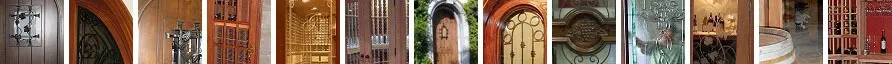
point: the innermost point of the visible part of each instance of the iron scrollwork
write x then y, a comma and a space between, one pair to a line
186, 47
522, 35
24, 20
95, 44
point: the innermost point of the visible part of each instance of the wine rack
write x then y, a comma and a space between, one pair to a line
843, 27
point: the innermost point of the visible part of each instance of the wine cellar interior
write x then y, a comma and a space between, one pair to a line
310, 32
31, 32
857, 31
721, 33
790, 32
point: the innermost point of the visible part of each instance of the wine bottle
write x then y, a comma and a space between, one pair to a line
867, 46
883, 42
838, 27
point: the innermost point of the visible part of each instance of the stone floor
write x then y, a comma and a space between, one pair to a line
808, 42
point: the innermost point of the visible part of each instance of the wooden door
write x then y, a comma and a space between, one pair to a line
446, 39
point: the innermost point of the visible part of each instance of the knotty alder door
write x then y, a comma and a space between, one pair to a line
234, 31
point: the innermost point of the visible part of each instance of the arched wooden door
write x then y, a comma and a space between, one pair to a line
101, 32
446, 38
516, 34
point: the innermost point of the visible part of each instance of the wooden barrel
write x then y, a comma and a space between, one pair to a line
776, 46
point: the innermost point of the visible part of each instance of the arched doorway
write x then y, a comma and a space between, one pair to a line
446, 35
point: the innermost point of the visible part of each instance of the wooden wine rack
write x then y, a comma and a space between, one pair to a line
843, 26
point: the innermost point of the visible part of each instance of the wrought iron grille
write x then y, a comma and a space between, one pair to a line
352, 25
226, 10
351, 33
523, 37
186, 47
95, 43
26, 23
379, 31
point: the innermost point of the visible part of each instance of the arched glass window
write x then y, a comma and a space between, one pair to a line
523, 36
95, 43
